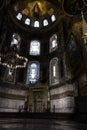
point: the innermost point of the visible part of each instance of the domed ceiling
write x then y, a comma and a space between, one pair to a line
35, 13
34, 8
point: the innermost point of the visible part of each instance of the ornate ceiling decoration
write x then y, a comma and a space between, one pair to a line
35, 14
74, 7
31, 8
34, 8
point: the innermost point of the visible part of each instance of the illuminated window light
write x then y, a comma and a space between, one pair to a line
36, 24
35, 48
54, 71
10, 71
53, 18
32, 73
27, 21
19, 16
45, 22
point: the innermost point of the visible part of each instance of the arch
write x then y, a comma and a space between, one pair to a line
45, 22
33, 72
53, 43
16, 40
53, 18
73, 50
9, 75
54, 71
27, 21
36, 24
74, 54
19, 16
34, 47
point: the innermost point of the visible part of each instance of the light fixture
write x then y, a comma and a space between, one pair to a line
10, 55
13, 60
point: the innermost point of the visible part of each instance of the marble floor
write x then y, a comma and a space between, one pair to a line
40, 124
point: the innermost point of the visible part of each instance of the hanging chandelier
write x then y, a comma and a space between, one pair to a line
11, 58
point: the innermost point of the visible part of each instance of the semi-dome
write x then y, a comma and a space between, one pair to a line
34, 13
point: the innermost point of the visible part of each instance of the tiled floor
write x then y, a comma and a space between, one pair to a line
40, 124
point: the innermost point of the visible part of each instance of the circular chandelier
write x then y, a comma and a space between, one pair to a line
13, 60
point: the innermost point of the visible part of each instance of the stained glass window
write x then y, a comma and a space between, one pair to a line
35, 48
27, 21
15, 42
36, 24
32, 72
53, 18
9, 75
10, 72
45, 22
53, 43
54, 71
19, 16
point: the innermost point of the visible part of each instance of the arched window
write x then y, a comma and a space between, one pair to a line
54, 71
53, 18
15, 42
36, 24
10, 71
35, 47
45, 22
73, 50
33, 72
53, 43
27, 21
9, 75
72, 46
74, 53
19, 16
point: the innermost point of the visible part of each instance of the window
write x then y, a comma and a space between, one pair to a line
45, 22
53, 43
54, 71
10, 72
32, 72
36, 24
35, 48
74, 53
53, 18
19, 16
73, 47
9, 75
15, 42
27, 21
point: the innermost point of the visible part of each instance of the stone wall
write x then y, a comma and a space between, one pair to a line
62, 99
12, 100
